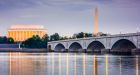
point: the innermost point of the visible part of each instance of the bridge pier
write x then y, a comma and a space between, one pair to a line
84, 50
135, 51
105, 51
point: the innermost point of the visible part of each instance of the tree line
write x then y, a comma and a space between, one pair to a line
56, 36
37, 42
6, 40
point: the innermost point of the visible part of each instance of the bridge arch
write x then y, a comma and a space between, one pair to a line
76, 47
123, 45
59, 48
95, 46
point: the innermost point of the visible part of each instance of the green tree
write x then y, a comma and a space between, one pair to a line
10, 40
1, 40
33, 42
64, 38
82, 35
55, 37
88, 35
5, 40
45, 40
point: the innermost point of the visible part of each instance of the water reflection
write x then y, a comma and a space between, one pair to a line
20, 65
95, 65
75, 64
106, 62
52, 71
137, 65
120, 66
59, 63
84, 64
67, 64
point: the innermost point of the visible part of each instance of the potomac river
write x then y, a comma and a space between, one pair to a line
18, 63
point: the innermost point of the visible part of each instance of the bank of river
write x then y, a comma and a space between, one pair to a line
44, 50
22, 50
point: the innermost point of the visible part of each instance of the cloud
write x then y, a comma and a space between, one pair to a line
70, 4
14, 4
11, 4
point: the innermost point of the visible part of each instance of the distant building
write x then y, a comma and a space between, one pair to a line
23, 32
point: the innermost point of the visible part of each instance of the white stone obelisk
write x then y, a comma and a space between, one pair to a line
95, 33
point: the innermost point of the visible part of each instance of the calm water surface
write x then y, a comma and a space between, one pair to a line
67, 64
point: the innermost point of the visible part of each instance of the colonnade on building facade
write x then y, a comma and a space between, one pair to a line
24, 34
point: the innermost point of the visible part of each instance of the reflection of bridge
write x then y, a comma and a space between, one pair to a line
120, 42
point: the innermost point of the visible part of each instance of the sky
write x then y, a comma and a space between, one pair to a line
67, 17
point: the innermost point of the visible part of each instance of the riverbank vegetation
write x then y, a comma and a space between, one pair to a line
41, 42
6, 40
56, 36
36, 42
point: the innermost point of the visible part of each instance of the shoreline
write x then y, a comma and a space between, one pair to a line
44, 50
22, 50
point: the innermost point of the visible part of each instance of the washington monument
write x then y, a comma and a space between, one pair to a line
96, 22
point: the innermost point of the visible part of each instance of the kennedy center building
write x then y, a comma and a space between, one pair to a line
23, 32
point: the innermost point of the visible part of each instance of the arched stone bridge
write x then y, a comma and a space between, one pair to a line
116, 43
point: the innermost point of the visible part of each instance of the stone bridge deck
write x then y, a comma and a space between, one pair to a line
119, 42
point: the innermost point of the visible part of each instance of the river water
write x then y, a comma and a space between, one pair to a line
68, 64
